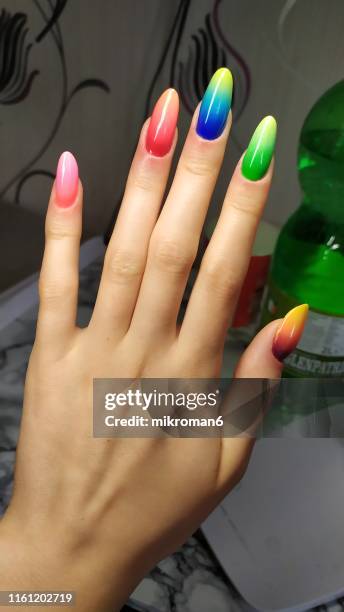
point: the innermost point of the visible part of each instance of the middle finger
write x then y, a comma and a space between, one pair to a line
174, 242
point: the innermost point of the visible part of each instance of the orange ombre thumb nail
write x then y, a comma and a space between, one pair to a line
289, 332
67, 180
162, 126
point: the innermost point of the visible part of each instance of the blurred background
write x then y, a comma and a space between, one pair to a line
84, 75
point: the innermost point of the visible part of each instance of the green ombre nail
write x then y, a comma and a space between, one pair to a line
260, 150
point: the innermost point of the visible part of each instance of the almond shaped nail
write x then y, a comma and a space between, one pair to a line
162, 126
289, 333
260, 150
216, 104
67, 180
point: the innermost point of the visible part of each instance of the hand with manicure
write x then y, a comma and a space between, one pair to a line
94, 515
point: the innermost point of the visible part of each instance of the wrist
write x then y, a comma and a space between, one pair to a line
32, 563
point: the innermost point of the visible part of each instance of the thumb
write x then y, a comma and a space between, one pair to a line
264, 357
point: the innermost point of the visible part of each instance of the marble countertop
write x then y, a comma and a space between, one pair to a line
190, 580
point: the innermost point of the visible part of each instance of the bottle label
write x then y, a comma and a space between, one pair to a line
320, 352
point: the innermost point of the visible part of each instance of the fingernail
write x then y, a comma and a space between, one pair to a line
260, 150
216, 105
67, 180
290, 332
162, 126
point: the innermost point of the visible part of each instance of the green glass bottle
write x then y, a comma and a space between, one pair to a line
308, 263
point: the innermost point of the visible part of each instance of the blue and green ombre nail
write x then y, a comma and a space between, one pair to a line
215, 105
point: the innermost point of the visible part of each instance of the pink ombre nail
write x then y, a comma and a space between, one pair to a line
67, 180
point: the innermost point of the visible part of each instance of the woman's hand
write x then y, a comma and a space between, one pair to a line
94, 515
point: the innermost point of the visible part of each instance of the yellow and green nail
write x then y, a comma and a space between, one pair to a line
260, 150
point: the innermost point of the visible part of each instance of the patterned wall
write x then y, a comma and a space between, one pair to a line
82, 75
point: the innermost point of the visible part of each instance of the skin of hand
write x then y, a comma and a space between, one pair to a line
94, 515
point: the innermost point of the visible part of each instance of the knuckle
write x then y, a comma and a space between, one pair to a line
59, 231
142, 180
51, 291
220, 279
173, 257
198, 165
122, 266
245, 203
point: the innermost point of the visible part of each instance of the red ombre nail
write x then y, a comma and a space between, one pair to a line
163, 123
67, 180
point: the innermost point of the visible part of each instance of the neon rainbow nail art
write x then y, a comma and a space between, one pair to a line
67, 180
290, 332
216, 105
260, 150
162, 126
